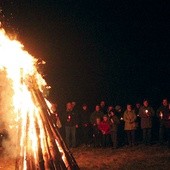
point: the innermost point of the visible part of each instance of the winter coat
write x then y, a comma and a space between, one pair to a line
105, 127
71, 118
167, 120
114, 122
164, 110
84, 117
146, 114
129, 117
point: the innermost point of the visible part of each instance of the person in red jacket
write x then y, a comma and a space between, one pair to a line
104, 127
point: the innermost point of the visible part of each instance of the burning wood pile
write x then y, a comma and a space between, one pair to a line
39, 144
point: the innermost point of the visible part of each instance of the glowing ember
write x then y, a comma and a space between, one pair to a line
40, 144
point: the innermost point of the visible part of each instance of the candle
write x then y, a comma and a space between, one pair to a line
161, 115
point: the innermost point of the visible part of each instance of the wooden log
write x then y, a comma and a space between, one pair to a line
71, 161
56, 155
52, 158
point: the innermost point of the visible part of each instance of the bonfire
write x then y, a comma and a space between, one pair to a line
38, 144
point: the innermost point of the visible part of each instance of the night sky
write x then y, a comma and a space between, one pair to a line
113, 50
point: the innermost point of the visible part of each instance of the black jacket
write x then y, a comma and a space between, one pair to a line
71, 118
84, 117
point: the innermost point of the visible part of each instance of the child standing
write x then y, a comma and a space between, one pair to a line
104, 127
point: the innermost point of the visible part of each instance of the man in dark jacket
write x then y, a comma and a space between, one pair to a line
85, 124
71, 123
96, 114
138, 134
161, 113
95, 120
146, 113
120, 129
114, 122
167, 125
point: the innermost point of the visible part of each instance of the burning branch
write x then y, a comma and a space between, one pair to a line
40, 144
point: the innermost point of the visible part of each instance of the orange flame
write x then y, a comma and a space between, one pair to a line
19, 66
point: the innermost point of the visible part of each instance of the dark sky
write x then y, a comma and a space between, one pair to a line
115, 50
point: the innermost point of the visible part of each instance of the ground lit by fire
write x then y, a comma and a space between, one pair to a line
139, 157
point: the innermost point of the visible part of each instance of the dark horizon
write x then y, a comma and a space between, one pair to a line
101, 50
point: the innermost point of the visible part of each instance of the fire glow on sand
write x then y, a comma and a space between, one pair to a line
38, 144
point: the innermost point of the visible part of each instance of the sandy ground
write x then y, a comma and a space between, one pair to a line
136, 158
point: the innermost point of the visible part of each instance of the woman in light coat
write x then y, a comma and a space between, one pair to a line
130, 125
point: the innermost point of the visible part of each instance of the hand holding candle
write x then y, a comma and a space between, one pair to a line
68, 118
161, 115
146, 111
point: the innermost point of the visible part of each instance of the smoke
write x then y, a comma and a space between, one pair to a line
8, 124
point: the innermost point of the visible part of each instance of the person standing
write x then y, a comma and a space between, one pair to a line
97, 135
103, 107
161, 113
167, 125
130, 125
114, 122
56, 117
120, 129
146, 113
95, 120
85, 124
96, 114
138, 132
104, 127
71, 123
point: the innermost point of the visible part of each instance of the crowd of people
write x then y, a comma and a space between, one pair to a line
112, 126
